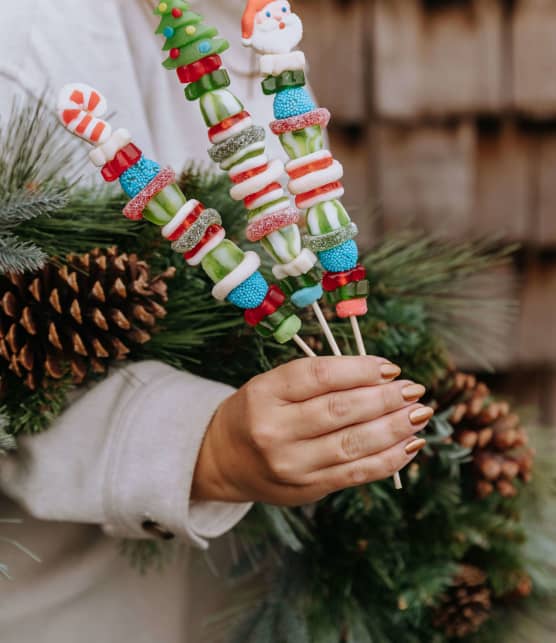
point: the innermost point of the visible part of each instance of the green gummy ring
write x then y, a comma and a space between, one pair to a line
330, 240
286, 80
193, 235
354, 290
216, 80
222, 151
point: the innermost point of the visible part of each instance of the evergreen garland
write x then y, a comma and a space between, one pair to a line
367, 564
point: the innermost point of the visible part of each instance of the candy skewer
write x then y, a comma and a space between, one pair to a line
195, 231
304, 346
273, 31
239, 149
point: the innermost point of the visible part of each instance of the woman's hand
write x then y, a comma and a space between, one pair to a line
309, 428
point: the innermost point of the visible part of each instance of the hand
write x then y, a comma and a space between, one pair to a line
309, 428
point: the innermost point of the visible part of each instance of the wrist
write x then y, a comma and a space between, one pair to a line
209, 479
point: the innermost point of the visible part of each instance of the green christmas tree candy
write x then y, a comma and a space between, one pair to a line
188, 39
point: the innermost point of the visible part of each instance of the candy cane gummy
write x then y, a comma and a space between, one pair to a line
195, 232
273, 31
239, 149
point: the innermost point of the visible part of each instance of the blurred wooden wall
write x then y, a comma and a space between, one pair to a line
444, 115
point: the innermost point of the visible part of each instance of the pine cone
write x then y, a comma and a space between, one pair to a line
491, 431
78, 317
466, 605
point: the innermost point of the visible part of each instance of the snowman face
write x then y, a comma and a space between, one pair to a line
277, 30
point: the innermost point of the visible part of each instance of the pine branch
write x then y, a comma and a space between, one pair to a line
19, 256
25, 205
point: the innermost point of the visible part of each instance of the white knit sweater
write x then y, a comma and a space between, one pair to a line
122, 456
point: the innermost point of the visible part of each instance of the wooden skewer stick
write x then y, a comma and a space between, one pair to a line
304, 347
363, 351
327, 330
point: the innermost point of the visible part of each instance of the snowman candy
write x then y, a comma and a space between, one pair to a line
238, 147
274, 31
195, 232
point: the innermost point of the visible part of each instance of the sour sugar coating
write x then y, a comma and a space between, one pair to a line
238, 147
195, 232
274, 31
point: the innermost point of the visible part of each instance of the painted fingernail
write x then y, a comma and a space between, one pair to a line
390, 372
413, 392
415, 446
421, 415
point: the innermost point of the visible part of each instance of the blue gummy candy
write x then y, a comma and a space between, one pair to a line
251, 293
341, 258
139, 176
292, 102
307, 296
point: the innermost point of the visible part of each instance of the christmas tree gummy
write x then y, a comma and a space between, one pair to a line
188, 39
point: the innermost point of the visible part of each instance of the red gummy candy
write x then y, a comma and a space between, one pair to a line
253, 197
352, 308
311, 167
227, 123
194, 72
127, 157
211, 232
274, 299
333, 280
187, 223
240, 178
260, 229
134, 209
325, 189
319, 116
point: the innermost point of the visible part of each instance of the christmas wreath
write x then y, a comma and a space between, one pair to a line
464, 552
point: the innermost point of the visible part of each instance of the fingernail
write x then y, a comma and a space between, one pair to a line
413, 392
415, 446
390, 372
421, 415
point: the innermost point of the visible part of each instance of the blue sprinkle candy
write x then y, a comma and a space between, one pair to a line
340, 259
307, 296
139, 176
204, 47
169, 32
292, 102
251, 293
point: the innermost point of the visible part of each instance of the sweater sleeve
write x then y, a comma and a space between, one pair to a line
123, 456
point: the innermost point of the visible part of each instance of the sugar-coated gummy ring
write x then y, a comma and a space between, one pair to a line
270, 223
134, 209
332, 239
320, 116
222, 151
352, 308
192, 236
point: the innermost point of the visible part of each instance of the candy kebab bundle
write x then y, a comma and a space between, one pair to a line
195, 231
238, 147
273, 31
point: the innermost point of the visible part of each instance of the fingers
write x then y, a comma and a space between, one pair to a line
307, 378
370, 469
340, 409
363, 440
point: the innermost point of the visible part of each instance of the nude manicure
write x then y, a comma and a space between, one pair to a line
421, 415
415, 446
390, 372
413, 392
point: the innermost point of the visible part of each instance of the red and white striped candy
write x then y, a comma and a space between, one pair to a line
80, 108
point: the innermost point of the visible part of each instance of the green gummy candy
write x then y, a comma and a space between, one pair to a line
222, 260
164, 206
286, 80
217, 106
183, 39
198, 50
210, 82
354, 290
292, 284
288, 329
303, 142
